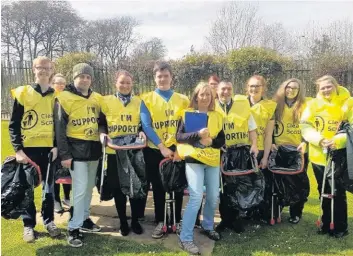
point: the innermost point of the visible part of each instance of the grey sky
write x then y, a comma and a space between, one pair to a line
182, 24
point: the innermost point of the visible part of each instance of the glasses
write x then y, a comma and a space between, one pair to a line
292, 88
43, 68
255, 86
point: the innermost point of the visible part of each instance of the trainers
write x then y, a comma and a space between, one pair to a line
211, 234
66, 202
75, 239
53, 229
28, 234
57, 207
294, 220
158, 231
89, 226
189, 247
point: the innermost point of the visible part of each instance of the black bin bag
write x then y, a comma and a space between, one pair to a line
173, 175
290, 181
17, 187
243, 185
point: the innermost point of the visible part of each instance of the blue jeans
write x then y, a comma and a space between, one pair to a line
83, 181
197, 175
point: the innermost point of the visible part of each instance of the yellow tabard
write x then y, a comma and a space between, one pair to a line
37, 127
83, 115
165, 115
208, 155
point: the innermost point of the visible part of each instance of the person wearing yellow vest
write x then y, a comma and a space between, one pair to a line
240, 128
319, 124
120, 115
59, 83
32, 136
76, 113
263, 111
291, 101
160, 112
201, 152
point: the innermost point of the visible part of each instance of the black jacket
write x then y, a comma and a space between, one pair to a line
77, 149
16, 119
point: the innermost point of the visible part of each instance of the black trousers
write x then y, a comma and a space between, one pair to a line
340, 203
297, 209
152, 159
40, 157
67, 189
119, 198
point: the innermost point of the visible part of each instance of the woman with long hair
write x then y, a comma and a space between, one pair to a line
291, 101
263, 111
201, 152
319, 124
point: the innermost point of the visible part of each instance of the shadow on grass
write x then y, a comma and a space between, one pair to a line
284, 239
95, 244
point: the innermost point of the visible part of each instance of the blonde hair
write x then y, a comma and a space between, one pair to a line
42, 59
58, 75
280, 98
202, 86
326, 78
263, 82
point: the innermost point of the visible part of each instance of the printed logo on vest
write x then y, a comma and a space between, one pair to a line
89, 132
29, 119
319, 123
278, 129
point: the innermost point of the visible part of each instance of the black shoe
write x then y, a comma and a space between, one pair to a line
158, 231
89, 226
211, 234
136, 227
198, 223
124, 228
222, 226
74, 239
340, 234
294, 220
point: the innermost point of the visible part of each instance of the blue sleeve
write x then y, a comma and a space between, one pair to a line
147, 125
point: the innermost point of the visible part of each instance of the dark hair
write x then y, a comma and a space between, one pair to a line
214, 77
161, 66
124, 72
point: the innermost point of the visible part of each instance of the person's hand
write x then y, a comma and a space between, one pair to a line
254, 150
325, 143
263, 163
204, 133
166, 152
301, 148
55, 153
206, 141
67, 163
102, 136
274, 147
142, 135
21, 157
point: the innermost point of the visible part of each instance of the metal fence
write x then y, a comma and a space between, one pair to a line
15, 74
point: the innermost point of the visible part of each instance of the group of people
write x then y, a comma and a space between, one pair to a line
72, 121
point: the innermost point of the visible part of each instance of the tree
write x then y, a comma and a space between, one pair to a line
236, 26
149, 50
275, 37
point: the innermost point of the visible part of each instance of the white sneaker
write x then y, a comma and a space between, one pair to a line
57, 207
66, 202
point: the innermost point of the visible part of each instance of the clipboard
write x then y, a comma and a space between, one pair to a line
195, 121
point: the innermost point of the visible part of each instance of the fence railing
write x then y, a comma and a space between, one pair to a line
15, 74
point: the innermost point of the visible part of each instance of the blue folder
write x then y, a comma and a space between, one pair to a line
195, 121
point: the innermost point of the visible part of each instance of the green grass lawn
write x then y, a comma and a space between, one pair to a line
281, 239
